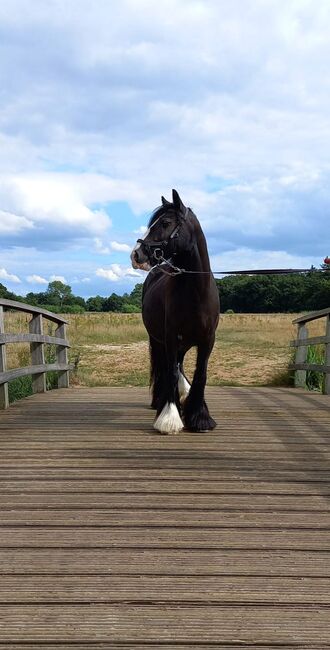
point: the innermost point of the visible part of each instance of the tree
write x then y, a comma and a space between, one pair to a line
113, 303
58, 292
136, 295
95, 303
9, 295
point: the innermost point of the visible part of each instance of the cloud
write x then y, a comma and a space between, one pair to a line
241, 259
117, 272
59, 278
12, 224
36, 279
125, 248
9, 277
100, 248
53, 210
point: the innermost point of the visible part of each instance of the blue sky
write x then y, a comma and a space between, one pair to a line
106, 106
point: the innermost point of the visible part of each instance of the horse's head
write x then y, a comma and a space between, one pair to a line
167, 235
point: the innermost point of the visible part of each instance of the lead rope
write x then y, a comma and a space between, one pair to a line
177, 271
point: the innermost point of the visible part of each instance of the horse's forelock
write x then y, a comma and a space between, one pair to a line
158, 212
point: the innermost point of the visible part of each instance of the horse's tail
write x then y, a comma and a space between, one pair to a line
157, 371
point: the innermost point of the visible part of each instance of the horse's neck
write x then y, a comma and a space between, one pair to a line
197, 260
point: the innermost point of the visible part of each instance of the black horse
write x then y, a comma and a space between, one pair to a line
180, 310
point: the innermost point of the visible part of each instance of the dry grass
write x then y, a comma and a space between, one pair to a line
250, 349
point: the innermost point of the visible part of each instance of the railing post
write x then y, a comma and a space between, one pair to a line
327, 357
62, 357
37, 354
4, 399
301, 356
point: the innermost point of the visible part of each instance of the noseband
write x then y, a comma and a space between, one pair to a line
155, 250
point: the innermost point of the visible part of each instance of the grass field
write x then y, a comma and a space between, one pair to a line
111, 349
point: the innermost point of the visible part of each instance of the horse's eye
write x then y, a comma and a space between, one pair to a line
166, 224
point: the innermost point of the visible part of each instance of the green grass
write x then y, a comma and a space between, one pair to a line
315, 380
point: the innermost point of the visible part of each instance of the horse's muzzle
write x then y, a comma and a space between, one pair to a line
139, 259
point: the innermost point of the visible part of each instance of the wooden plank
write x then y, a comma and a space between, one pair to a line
206, 502
165, 537
29, 309
4, 397
164, 589
313, 315
9, 375
37, 354
144, 624
184, 476
313, 340
301, 356
26, 484
135, 561
166, 518
32, 338
327, 357
62, 357
315, 367
154, 646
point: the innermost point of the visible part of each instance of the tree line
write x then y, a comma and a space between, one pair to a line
240, 294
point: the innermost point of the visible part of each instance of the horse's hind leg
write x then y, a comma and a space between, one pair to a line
183, 383
196, 413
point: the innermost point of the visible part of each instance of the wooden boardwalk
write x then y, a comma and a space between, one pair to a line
113, 536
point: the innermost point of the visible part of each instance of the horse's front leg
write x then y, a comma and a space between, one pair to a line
168, 418
196, 413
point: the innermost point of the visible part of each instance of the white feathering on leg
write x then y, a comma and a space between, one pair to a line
169, 420
184, 387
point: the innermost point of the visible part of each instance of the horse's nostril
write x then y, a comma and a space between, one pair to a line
136, 256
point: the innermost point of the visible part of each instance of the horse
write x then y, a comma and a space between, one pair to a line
180, 310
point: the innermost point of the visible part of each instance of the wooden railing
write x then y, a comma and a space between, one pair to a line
302, 342
37, 340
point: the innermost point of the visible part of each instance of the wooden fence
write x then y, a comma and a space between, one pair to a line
303, 341
37, 340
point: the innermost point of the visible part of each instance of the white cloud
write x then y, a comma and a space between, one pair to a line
141, 230
10, 277
100, 248
120, 247
11, 224
241, 259
36, 279
103, 249
117, 272
60, 278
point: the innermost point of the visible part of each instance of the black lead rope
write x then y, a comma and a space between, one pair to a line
177, 271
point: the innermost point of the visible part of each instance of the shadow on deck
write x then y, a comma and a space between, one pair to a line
112, 535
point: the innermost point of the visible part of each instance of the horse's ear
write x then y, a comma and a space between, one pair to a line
165, 202
179, 206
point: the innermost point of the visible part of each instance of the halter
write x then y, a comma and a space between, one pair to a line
156, 249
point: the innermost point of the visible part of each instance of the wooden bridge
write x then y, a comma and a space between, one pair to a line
113, 536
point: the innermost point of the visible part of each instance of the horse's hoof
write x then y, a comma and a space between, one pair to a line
200, 423
169, 421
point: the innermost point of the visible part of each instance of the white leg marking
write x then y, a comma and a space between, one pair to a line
169, 420
184, 387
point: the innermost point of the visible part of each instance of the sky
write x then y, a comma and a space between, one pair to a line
106, 106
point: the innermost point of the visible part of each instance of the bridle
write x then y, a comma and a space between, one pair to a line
156, 250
